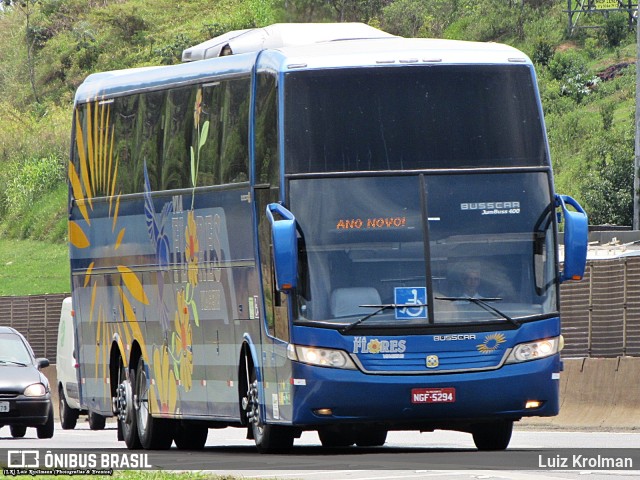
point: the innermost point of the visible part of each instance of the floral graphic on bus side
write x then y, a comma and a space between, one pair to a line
165, 393
94, 173
182, 345
156, 227
192, 248
201, 139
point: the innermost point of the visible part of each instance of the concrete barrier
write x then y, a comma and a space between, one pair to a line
595, 393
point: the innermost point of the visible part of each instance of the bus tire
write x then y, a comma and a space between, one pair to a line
190, 437
336, 437
492, 435
96, 421
268, 438
68, 415
127, 414
371, 438
154, 433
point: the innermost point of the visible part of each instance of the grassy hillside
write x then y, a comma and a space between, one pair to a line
29, 267
587, 83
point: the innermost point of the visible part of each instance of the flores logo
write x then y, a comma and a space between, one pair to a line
364, 345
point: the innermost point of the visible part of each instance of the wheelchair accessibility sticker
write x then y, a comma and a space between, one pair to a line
407, 297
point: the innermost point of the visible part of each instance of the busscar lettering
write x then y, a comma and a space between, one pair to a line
371, 223
489, 205
449, 338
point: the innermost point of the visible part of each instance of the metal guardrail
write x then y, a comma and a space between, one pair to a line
601, 313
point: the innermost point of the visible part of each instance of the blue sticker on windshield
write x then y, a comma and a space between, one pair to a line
411, 296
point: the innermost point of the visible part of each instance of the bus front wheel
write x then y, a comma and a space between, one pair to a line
492, 435
268, 438
154, 433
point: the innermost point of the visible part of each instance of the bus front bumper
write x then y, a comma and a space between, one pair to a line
323, 396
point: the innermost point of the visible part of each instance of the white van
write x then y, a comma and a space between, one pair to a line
68, 374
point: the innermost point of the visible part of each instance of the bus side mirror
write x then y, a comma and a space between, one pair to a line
285, 246
576, 235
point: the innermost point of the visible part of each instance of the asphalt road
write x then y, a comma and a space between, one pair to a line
532, 454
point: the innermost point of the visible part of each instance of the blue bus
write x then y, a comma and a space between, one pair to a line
318, 227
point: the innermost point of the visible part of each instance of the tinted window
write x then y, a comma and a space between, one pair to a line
396, 118
363, 243
116, 138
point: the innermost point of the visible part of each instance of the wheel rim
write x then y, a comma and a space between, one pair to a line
253, 410
141, 399
125, 403
61, 408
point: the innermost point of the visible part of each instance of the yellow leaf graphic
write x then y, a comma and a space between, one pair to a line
78, 195
119, 239
87, 277
77, 237
133, 284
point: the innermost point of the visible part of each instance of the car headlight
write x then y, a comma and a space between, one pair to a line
323, 357
35, 390
525, 352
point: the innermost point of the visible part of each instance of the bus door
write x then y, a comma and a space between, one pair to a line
276, 369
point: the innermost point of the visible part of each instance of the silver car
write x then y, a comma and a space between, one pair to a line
25, 395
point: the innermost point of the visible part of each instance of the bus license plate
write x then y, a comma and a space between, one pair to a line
4, 407
433, 395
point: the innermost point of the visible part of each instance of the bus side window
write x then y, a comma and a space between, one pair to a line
175, 146
234, 135
266, 142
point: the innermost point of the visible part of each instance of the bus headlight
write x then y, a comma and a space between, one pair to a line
322, 357
536, 350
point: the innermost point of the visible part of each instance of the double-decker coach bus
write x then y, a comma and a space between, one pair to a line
318, 227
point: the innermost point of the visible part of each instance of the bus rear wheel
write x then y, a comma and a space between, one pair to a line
126, 413
492, 435
154, 433
268, 438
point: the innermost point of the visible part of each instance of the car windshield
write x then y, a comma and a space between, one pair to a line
424, 246
13, 349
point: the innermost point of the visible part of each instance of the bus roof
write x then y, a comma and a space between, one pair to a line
277, 36
333, 54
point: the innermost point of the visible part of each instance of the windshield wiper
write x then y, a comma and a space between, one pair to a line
380, 308
13, 363
483, 303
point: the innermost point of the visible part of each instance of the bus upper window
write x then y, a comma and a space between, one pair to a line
392, 118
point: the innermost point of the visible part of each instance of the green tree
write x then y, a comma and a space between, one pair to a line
608, 188
27, 8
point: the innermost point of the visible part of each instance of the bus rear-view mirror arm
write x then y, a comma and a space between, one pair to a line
576, 236
285, 246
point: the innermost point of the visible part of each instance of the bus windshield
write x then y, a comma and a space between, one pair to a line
399, 243
390, 118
